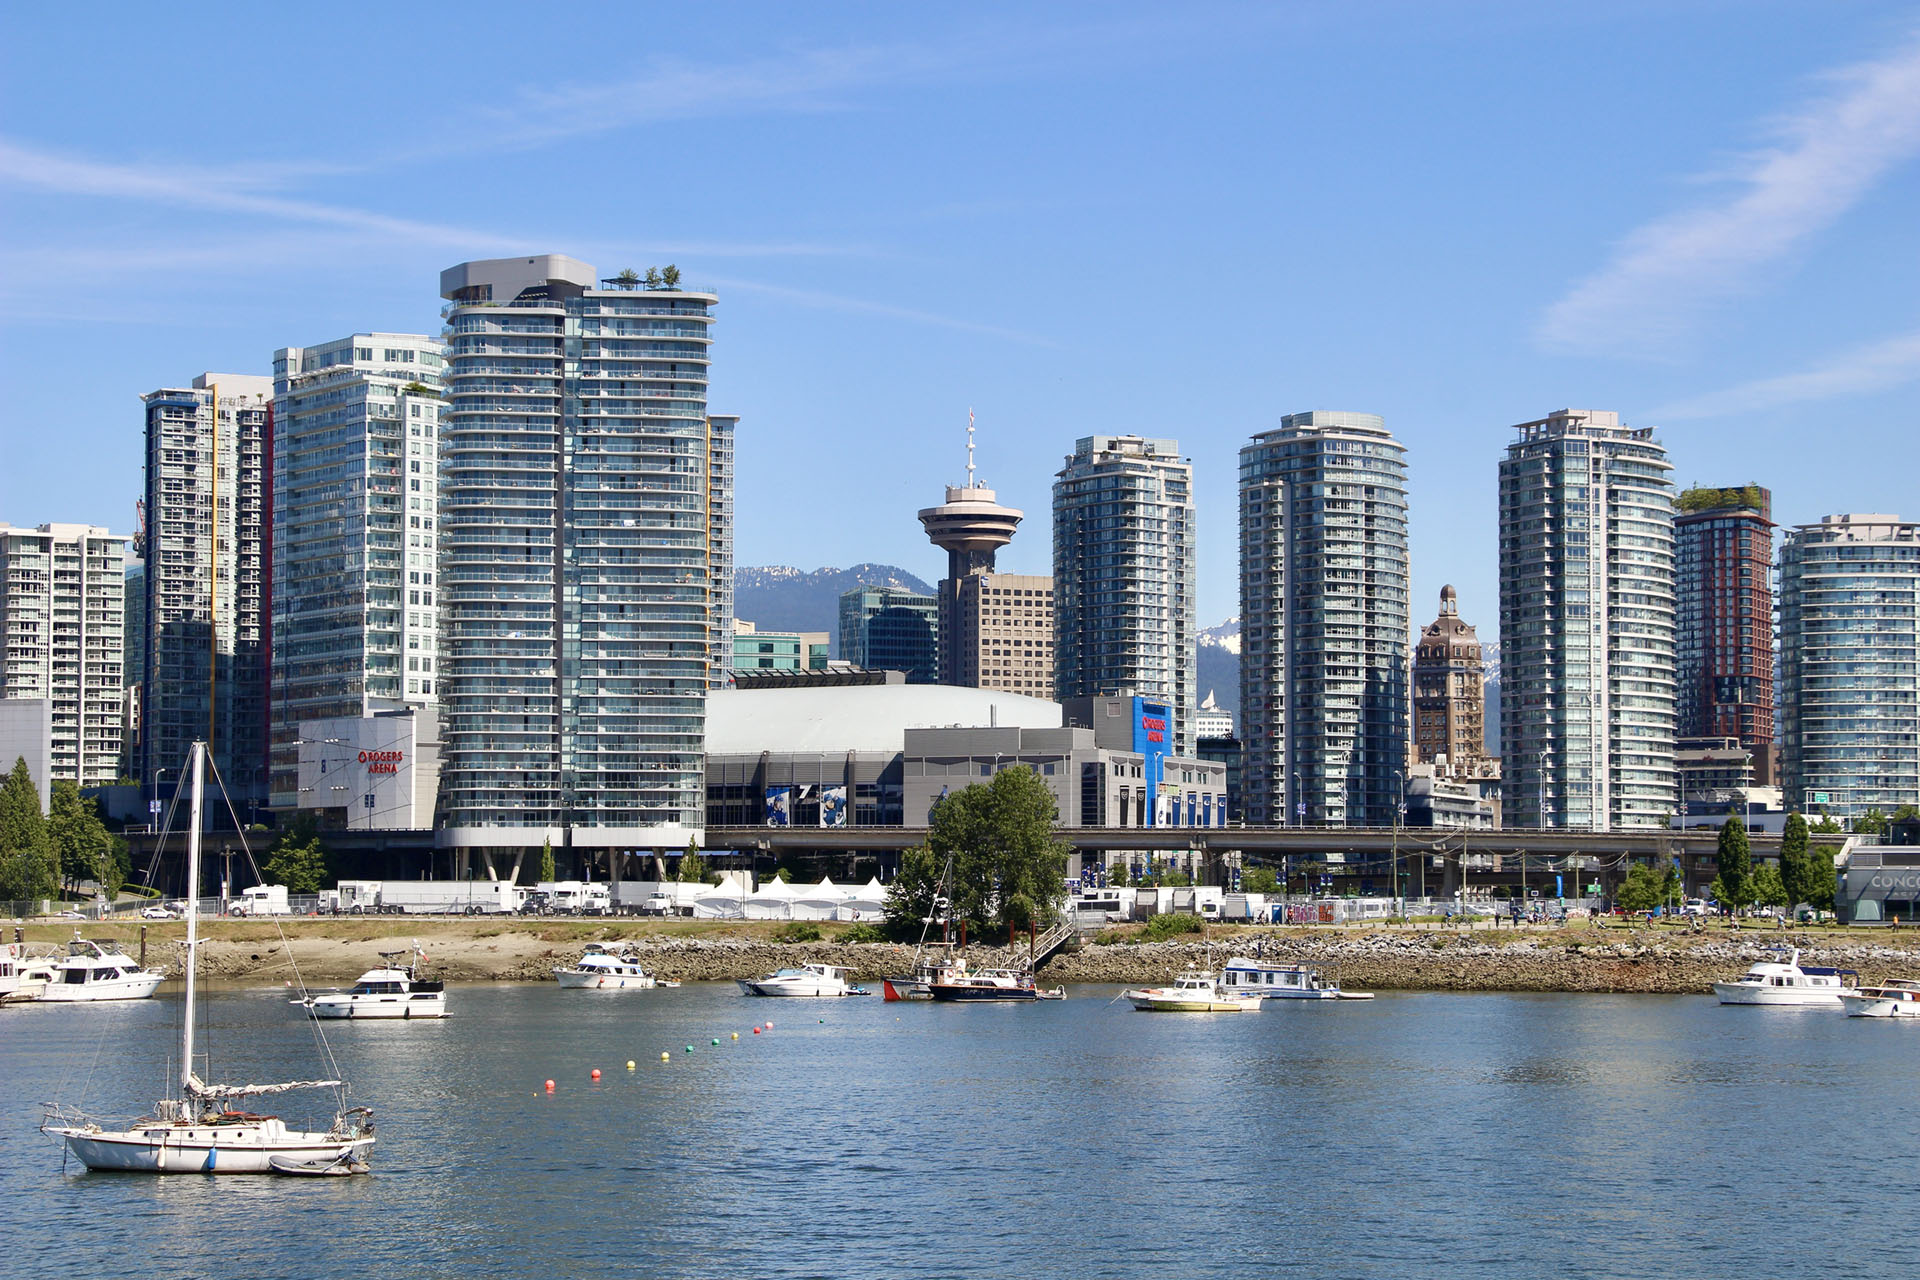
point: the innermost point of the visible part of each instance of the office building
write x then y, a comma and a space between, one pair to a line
757, 650
1587, 625
207, 512
356, 464
1124, 542
996, 630
1723, 596
1324, 622
62, 602
1849, 639
585, 502
891, 629
1449, 693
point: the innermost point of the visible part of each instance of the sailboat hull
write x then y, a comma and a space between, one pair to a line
237, 1149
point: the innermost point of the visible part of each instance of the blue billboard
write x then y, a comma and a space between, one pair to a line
1152, 731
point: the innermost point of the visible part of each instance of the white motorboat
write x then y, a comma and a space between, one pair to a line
1193, 993
1283, 981
802, 980
23, 975
96, 971
1785, 982
605, 968
201, 1130
391, 991
1896, 998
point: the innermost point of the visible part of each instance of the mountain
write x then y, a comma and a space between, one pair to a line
782, 598
1218, 652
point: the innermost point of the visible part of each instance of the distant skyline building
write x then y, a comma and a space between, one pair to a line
208, 496
585, 523
1849, 636
1449, 691
891, 629
62, 608
1587, 625
1125, 602
1324, 622
758, 650
1723, 590
356, 465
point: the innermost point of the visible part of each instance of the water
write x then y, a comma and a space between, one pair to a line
1465, 1135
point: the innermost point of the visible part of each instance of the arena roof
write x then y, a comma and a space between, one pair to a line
859, 718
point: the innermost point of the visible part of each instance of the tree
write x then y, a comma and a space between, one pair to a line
1871, 823
297, 859
1798, 873
1735, 856
670, 277
1641, 890
1767, 888
1119, 876
693, 867
1826, 826
1259, 880
546, 862
27, 865
998, 837
1671, 885
653, 277
82, 846
628, 279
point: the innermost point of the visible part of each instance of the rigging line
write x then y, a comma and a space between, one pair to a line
246, 852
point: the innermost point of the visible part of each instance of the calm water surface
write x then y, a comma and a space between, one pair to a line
1442, 1134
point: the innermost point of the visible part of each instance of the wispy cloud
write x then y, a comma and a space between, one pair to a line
1876, 367
1828, 157
838, 302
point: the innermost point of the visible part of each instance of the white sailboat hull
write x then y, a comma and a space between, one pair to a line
236, 1149
589, 980
417, 1005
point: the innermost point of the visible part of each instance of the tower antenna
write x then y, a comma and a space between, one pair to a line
969, 447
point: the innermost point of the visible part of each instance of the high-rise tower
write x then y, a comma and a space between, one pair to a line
1324, 623
1724, 598
356, 466
1587, 625
585, 498
209, 508
1849, 633
62, 598
995, 629
1125, 607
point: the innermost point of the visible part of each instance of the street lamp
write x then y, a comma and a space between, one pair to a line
1399, 815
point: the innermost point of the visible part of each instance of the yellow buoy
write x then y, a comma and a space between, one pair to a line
666, 1057
736, 1035
629, 1064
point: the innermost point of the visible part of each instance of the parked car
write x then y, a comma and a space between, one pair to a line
157, 913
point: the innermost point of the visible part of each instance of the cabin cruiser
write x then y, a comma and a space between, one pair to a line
1785, 982
390, 991
98, 971
918, 985
1194, 993
802, 980
959, 983
1896, 998
1283, 981
605, 968
23, 975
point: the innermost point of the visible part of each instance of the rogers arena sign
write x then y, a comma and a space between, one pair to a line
382, 761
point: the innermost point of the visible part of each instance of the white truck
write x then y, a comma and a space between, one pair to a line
448, 897
352, 898
578, 898
260, 900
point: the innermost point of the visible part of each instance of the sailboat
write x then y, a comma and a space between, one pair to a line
202, 1130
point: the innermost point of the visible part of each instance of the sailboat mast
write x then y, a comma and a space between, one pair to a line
193, 918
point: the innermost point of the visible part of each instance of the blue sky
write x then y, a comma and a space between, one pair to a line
1172, 220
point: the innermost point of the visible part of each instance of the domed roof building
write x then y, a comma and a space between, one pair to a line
1449, 697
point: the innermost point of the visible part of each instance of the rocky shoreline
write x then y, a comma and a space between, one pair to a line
1553, 960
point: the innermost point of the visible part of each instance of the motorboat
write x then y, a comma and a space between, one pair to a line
23, 975
1283, 981
605, 968
202, 1129
98, 971
392, 991
918, 985
959, 983
1896, 998
1194, 993
1785, 982
802, 980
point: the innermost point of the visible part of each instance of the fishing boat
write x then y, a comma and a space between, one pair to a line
958, 983
1896, 998
202, 1129
605, 968
1785, 982
98, 971
1193, 993
394, 990
1283, 981
802, 980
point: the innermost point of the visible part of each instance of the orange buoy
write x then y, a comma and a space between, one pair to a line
549, 1086
596, 1073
